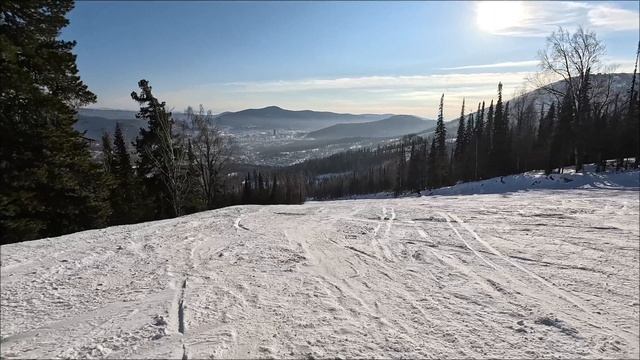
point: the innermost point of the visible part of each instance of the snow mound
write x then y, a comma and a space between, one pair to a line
529, 181
536, 180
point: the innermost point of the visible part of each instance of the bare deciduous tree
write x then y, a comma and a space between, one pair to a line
573, 59
211, 154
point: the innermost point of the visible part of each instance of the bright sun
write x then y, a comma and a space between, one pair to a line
498, 16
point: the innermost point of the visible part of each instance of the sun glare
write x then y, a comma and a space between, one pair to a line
498, 16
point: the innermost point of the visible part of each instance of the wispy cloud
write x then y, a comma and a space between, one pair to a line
378, 83
539, 18
508, 64
608, 17
412, 94
416, 94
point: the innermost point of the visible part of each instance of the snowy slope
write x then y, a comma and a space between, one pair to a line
534, 180
549, 273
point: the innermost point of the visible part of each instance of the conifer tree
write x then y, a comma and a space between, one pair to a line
479, 142
507, 157
413, 175
487, 144
479, 121
121, 158
469, 131
441, 131
489, 129
162, 156
401, 169
631, 139
470, 147
499, 150
124, 199
247, 195
49, 184
543, 141
582, 121
107, 152
146, 144
562, 141
424, 162
441, 157
274, 196
615, 135
600, 133
541, 125
460, 137
432, 176
460, 146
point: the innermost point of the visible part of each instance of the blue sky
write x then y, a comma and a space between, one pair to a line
360, 57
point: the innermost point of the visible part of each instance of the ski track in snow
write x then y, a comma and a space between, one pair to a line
549, 273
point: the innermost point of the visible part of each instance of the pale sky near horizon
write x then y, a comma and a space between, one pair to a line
357, 57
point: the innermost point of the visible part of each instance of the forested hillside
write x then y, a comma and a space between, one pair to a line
274, 117
397, 125
584, 118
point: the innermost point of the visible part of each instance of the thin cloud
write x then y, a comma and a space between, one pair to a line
412, 94
612, 18
541, 18
508, 64
378, 83
416, 94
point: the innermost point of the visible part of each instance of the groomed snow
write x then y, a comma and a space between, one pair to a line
531, 180
534, 180
546, 273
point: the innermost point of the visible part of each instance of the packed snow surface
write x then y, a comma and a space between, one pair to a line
546, 273
532, 180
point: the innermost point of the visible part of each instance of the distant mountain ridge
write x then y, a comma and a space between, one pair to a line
113, 114
95, 122
274, 117
396, 125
